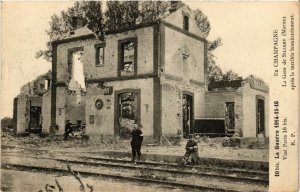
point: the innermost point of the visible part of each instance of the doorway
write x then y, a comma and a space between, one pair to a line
229, 117
260, 116
127, 112
187, 115
35, 121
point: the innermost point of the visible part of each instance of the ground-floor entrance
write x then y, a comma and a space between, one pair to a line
260, 116
127, 112
35, 121
229, 117
187, 114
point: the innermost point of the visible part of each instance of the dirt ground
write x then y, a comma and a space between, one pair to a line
209, 147
22, 181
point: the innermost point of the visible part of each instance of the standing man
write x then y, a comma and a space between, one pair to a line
68, 130
136, 142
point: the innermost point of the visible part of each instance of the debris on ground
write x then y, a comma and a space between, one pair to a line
219, 147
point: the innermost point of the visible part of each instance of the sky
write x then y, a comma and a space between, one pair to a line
245, 30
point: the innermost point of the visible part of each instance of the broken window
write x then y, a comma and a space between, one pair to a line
186, 23
76, 75
77, 78
99, 54
127, 57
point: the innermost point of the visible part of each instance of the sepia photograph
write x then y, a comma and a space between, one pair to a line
149, 96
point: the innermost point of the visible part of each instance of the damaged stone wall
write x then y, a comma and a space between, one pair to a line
63, 58
184, 56
239, 114
215, 107
68, 107
61, 93
38, 86
144, 53
172, 92
199, 102
70, 100
30, 94
109, 69
249, 105
176, 18
23, 105
101, 122
75, 107
183, 71
215, 103
244, 108
171, 109
46, 112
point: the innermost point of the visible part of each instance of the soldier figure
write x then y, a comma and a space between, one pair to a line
68, 130
191, 155
136, 142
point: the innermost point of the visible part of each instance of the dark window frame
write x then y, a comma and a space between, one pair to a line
186, 22
98, 48
121, 54
262, 98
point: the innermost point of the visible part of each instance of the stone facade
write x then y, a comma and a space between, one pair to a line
22, 114
168, 62
245, 100
250, 109
31, 95
38, 86
46, 109
165, 86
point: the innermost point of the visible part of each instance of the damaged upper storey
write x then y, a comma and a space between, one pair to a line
38, 86
151, 49
160, 66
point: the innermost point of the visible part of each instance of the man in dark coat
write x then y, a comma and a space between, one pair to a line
136, 142
191, 154
68, 130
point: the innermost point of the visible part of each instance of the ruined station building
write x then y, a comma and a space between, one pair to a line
241, 107
153, 75
28, 105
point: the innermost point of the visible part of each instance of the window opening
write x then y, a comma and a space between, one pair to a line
77, 79
76, 71
186, 23
46, 84
99, 56
127, 58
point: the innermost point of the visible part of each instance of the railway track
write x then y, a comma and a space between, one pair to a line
222, 170
221, 173
191, 177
